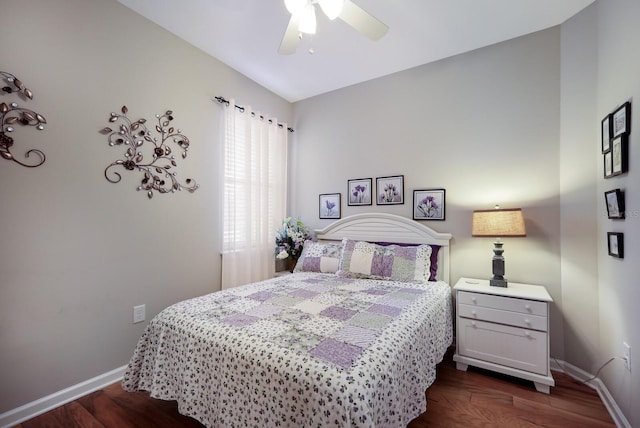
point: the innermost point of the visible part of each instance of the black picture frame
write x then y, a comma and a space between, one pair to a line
359, 191
619, 155
608, 164
606, 130
429, 204
329, 205
390, 190
621, 120
614, 200
615, 244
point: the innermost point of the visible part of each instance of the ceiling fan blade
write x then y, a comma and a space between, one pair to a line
291, 36
363, 21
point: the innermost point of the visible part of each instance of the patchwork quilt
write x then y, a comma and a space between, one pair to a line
301, 350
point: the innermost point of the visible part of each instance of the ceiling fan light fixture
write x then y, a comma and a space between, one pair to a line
303, 20
295, 6
331, 8
308, 20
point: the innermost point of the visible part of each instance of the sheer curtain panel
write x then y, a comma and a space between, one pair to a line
254, 169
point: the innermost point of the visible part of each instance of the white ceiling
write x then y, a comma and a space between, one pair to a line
246, 34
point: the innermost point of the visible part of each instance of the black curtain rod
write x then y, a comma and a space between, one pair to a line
222, 100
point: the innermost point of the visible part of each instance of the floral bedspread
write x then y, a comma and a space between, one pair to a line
302, 350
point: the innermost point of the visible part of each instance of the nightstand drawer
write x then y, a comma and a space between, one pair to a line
524, 306
505, 345
516, 319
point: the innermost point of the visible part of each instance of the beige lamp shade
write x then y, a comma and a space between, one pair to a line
498, 223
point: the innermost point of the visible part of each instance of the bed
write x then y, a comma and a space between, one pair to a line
352, 347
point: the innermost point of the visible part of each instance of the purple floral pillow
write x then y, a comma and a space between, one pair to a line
321, 257
362, 259
434, 256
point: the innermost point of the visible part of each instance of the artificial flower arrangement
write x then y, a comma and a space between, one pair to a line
290, 239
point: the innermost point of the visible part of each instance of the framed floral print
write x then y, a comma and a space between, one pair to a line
359, 191
390, 190
615, 203
621, 119
608, 164
605, 133
428, 204
615, 244
330, 205
619, 162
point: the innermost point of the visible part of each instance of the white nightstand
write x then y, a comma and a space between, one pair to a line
505, 330
281, 273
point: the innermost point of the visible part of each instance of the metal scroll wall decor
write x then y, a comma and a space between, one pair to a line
156, 175
12, 115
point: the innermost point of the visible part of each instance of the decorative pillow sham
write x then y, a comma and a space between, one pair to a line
392, 262
434, 256
321, 257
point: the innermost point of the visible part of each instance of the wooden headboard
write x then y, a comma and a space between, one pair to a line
382, 227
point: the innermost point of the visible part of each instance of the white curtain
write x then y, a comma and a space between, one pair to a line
254, 177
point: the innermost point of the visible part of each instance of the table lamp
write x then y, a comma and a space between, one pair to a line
498, 223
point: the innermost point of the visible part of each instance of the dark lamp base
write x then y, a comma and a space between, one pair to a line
495, 282
497, 263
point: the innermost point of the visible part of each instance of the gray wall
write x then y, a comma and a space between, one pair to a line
579, 163
600, 293
619, 291
78, 252
483, 125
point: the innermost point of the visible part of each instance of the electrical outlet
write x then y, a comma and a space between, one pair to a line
139, 313
627, 355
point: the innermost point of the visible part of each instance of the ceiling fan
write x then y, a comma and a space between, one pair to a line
303, 20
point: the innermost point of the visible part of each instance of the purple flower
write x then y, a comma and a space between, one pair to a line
389, 194
428, 206
330, 206
358, 193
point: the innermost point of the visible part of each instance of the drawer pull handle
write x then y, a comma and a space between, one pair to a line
473, 323
527, 307
526, 333
527, 321
474, 313
473, 299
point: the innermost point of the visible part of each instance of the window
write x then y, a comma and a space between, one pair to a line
254, 165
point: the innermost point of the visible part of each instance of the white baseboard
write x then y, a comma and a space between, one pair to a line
608, 401
42, 405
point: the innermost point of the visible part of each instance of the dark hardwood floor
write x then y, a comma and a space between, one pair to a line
479, 398
475, 398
